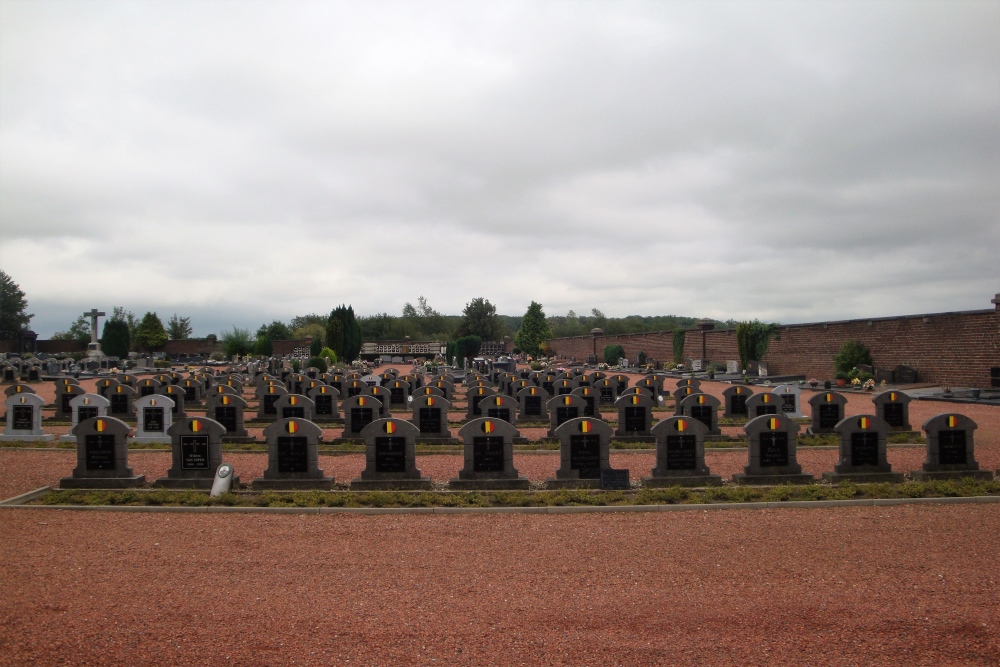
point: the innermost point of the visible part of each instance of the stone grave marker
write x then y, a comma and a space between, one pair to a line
381, 394
294, 405
905, 375
353, 388
680, 454
154, 417
862, 452
622, 380
762, 404
591, 401
430, 416
399, 393
635, 415
228, 410
428, 391
106, 385
293, 383
489, 456
18, 388
680, 394
565, 386
447, 387
127, 379
219, 388
692, 382
583, 452
474, 396
894, 408
607, 391
562, 409
312, 373
517, 385
499, 406
732, 367
269, 396
147, 386
652, 384
735, 401
704, 408
790, 396
390, 457
325, 399
82, 408
65, 394
121, 398
24, 418
196, 446
359, 411
101, 455
950, 449
293, 456
175, 394
827, 411
531, 403
193, 391
9, 373
772, 453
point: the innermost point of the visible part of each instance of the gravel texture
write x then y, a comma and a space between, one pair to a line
901, 585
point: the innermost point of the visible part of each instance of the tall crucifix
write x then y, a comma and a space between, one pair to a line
94, 314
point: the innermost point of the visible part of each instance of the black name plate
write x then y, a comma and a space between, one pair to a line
23, 418
585, 455
773, 450
503, 414
864, 449
829, 415
390, 454
324, 404
99, 452
119, 404
952, 448
152, 420
226, 415
194, 452
532, 406
293, 454
83, 414
429, 420
635, 420
894, 414
682, 452
487, 454
564, 414
615, 479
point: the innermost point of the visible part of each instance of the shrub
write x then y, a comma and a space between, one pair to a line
678, 345
317, 362
612, 353
852, 354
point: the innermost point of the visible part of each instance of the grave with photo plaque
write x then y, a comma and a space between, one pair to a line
196, 448
154, 417
894, 408
759, 405
101, 455
635, 415
583, 453
430, 416
488, 457
827, 411
735, 401
950, 450
294, 405
680, 455
359, 411
772, 453
531, 403
790, 396
24, 418
862, 452
562, 409
82, 408
704, 408
269, 396
228, 410
64, 394
325, 398
293, 457
390, 458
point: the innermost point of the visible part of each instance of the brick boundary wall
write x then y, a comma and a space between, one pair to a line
953, 349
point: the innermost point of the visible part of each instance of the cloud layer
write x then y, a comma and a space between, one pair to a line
240, 162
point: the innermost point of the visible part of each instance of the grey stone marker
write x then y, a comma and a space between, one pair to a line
635, 415
293, 456
790, 396
680, 394
583, 453
704, 408
102, 456
399, 393
24, 418
591, 401
446, 386
474, 396
772, 453
269, 395
499, 406
563, 409
154, 417
564, 386
759, 405
622, 381
430, 416
64, 394
489, 457
106, 385
894, 408
680, 454
381, 394
83, 408
228, 410
735, 401
295, 405
950, 449
325, 399
827, 411
121, 398
193, 389
18, 388
517, 385
863, 452
196, 445
177, 395
653, 384
390, 457
429, 390
359, 411
147, 386
694, 383
532, 404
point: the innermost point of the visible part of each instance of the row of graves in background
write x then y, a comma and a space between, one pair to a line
37, 370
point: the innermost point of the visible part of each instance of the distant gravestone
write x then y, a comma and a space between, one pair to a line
196, 446
772, 453
390, 457
488, 457
121, 398
499, 406
735, 401
269, 395
862, 452
565, 386
64, 394
607, 391
228, 410
583, 448
474, 395
563, 409
430, 416
905, 375
325, 399
893, 407
790, 396
445, 386
950, 450
681, 393
652, 384
101, 456
293, 456
24, 418
381, 394
106, 386
294, 406
704, 408
193, 389
147, 386
399, 393
827, 411
732, 367
82, 408
18, 388
531, 404
762, 404
635, 415
591, 402
680, 455
154, 417
177, 395
359, 411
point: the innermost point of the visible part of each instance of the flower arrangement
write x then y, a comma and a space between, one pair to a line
813, 382
855, 382
869, 385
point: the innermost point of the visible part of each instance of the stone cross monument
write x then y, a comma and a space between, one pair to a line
94, 349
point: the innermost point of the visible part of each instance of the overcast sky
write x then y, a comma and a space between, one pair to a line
238, 162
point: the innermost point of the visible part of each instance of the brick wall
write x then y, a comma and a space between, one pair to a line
47, 346
191, 346
954, 349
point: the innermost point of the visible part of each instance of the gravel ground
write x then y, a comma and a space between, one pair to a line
914, 585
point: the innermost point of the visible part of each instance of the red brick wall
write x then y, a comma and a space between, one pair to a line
954, 349
189, 346
47, 346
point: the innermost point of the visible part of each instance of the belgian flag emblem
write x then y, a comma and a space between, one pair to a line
361, 401
488, 426
270, 389
195, 425
892, 396
766, 398
86, 401
585, 426
498, 401
829, 398
701, 400
952, 421
292, 400
681, 425
291, 426
739, 390
430, 401
152, 402
635, 400
390, 427
534, 390
101, 426
224, 400
773, 423
864, 423
567, 400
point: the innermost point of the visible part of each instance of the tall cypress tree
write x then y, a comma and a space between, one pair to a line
534, 329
